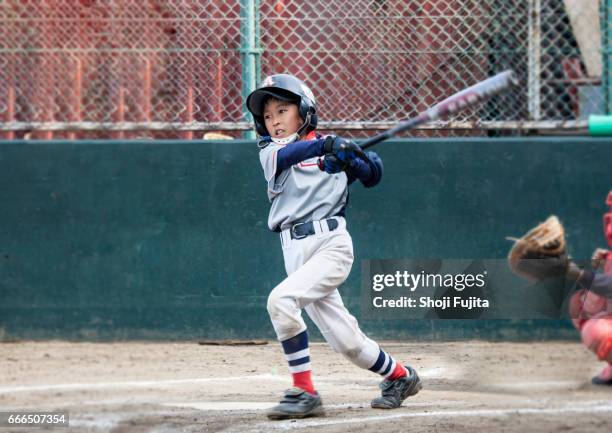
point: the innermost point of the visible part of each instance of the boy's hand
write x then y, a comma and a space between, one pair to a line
331, 164
343, 149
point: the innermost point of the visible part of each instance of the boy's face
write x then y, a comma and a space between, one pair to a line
281, 118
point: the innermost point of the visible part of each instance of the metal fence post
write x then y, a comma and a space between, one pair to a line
535, 58
250, 52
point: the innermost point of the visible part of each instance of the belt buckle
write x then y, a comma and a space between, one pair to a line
294, 235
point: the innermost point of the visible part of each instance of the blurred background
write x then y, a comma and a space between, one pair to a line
177, 69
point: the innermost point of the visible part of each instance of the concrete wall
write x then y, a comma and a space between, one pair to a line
165, 239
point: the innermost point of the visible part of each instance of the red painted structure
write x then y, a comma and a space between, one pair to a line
151, 60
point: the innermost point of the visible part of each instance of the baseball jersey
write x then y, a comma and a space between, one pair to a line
302, 192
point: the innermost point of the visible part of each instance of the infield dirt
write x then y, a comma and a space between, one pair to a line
186, 387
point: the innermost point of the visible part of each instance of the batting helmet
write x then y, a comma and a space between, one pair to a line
284, 87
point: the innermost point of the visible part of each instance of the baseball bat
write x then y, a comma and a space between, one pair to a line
465, 98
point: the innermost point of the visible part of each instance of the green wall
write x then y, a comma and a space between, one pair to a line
168, 239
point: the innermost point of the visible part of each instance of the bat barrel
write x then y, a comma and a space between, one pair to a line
495, 84
451, 105
473, 94
404, 126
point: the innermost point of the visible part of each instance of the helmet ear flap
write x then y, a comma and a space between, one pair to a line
308, 114
260, 126
313, 120
305, 109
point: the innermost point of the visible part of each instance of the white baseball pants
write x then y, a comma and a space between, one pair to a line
316, 266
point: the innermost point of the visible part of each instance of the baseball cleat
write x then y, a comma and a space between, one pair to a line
394, 392
297, 403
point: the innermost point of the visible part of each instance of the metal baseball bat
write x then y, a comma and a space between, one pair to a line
467, 97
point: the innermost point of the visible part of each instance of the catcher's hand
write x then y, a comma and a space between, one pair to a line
541, 253
599, 258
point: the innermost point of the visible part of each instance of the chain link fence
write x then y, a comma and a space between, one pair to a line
170, 69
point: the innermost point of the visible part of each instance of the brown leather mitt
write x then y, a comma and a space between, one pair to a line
541, 252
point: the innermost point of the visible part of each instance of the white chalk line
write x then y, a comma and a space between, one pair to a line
433, 372
109, 421
132, 384
106, 422
241, 406
288, 425
236, 406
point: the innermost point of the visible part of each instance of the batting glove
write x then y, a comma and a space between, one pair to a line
345, 150
331, 164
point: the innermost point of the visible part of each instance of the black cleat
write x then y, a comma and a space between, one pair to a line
297, 403
394, 392
599, 381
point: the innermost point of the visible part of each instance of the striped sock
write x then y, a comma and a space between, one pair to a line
297, 354
386, 366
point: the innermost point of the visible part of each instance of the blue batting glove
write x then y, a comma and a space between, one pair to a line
331, 164
345, 150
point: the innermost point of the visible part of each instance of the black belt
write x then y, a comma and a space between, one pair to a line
301, 230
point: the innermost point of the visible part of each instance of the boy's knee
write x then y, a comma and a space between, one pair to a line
273, 304
279, 305
285, 315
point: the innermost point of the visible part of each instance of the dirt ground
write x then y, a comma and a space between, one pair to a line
186, 387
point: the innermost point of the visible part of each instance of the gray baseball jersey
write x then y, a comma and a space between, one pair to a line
302, 192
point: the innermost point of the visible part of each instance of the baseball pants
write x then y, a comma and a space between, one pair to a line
316, 266
592, 316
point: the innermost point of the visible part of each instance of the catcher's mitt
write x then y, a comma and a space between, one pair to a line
541, 252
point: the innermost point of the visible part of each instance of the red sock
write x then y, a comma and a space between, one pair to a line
303, 380
399, 371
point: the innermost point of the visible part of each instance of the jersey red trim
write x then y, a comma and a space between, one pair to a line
303, 164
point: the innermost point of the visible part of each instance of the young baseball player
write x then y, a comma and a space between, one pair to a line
307, 183
590, 305
591, 308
